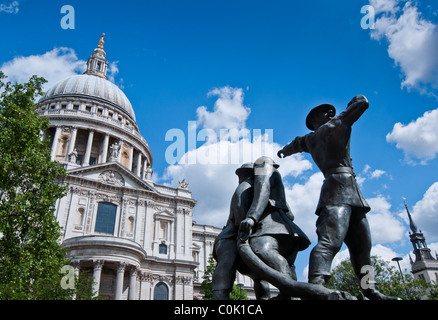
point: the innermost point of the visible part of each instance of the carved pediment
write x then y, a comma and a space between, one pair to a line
164, 214
113, 174
112, 177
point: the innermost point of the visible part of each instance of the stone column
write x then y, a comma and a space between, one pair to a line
187, 233
131, 154
88, 150
155, 242
104, 149
172, 241
97, 271
178, 292
119, 280
138, 170
132, 282
145, 167
71, 146
55, 143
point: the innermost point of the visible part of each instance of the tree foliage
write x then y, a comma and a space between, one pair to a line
388, 280
236, 294
30, 255
207, 278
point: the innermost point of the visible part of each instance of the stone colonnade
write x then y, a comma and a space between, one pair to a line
121, 269
178, 287
110, 149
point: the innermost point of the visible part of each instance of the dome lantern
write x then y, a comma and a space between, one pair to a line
97, 64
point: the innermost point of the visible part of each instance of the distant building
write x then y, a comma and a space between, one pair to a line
136, 237
425, 266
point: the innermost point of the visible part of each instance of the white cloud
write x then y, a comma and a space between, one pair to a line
377, 174
387, 6
383, 252
367, 173
303, 199
112, 71
11, 8
210, 168
229, 111
367, 168
425, 213
412, 43
211, 185
212, 177
388, 254
385, 227
418, 139
53, 65
360, 180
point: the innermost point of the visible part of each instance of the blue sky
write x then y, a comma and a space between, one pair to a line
262, 65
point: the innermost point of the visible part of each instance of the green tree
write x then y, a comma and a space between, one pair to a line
343, 278
84, 287
236, 294
30, 255
207, 278
388, 280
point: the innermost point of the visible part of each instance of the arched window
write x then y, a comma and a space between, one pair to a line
106, 218
161, 291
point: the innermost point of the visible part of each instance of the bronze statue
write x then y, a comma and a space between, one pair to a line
261, 240
342, 208
225, 250
269, 226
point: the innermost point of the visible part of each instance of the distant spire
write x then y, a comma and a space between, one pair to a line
411, 222
97, 64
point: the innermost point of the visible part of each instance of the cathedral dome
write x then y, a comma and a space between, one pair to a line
92, 121
91, 86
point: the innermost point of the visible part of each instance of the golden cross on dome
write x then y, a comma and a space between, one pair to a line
101, 42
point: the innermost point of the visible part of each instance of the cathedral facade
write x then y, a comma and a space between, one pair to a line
137, 238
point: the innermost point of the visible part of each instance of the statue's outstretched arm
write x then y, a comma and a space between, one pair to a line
297, 145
